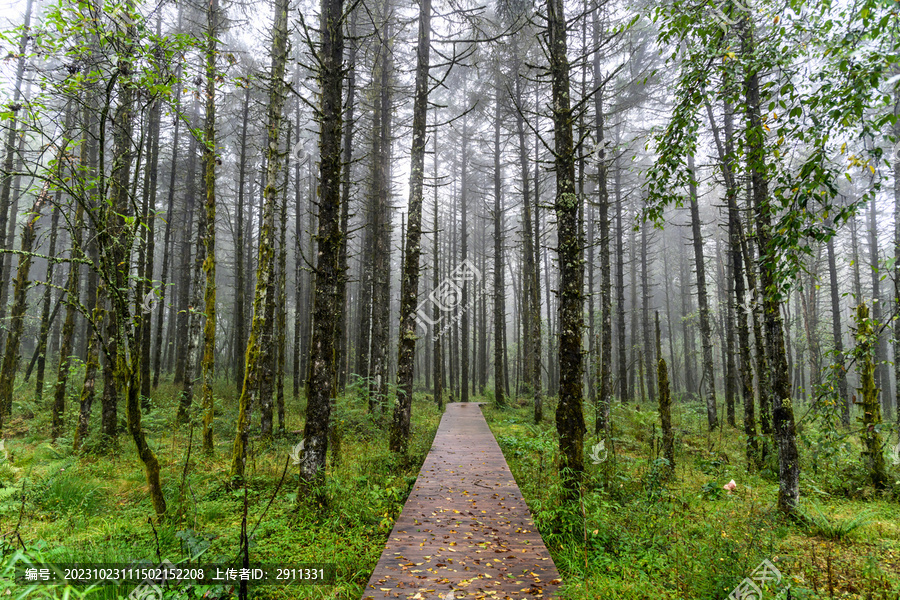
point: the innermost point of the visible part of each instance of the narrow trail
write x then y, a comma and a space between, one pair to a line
465, 526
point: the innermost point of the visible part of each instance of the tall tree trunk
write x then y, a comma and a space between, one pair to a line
838, 336
280, 341
873, 453
381, 162
343, 348
665, 404
117, 239
149, 232
254, 365
783, 411
736, 258
41, 349
438, 363
209, 237
68, 330
11, 148
166, 258
896, 303
409, 286
189, 369
531, 302
624, 394
708, 378
21, 282
181, 350
569, 413
645, 316
882, 379
464, 250
240, 317
298, 268
603, 216
500, 390
321, 384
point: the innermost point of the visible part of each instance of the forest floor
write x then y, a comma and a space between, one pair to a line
637, 534
634, 534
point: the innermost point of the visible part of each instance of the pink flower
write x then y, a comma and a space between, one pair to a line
729, 486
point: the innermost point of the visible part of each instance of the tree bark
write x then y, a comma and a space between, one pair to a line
708, 378
569, 413
665, 404
210, 159
255, 353
783, 411
605, 375
500, 390
409, 288
343, 348
240, 317
321, 383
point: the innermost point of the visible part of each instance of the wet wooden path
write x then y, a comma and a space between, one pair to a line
465, 531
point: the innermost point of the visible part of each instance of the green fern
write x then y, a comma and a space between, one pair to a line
834, 529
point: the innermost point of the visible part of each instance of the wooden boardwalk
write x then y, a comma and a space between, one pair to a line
465, 531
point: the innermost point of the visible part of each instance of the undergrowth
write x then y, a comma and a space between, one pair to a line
635, 532
93, 507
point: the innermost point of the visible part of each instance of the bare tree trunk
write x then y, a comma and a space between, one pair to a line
240, 317
281, 283
624, 390
569, 414
603, 216
343, 349
321, 384
665, 404
21, 282
183, 303
896, 303
882, 379
645, 315
438, 363
531, 302
209, 236
783, 411
410, 284
708, 378
164, 276
68, 329
41, 349
255, 353
838, 336
298, 270
464, 250
500, 390
147, 264
873, 455
10, 156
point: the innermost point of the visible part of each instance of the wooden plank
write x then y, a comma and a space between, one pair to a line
465, 531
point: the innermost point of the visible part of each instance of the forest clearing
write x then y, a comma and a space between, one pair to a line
264, 265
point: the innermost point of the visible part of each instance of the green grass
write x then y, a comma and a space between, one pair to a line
636, 534
94, 507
